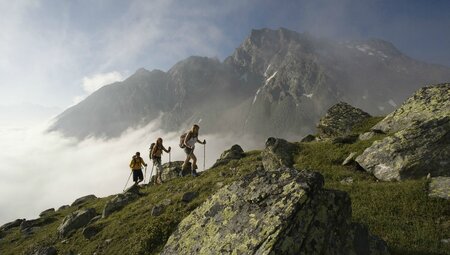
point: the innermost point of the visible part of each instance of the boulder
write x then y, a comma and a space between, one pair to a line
346, 139
44, 251
28, 226
439, 187
413, 152
76, 220
427, 103
10, 225
157, 210
278, 153
90, 231
63, 207
366, 136
308, 138
47, 212
189, 196
350, 159
282, 211
118, 202
173, 170
83, 200
340, 119
234, 153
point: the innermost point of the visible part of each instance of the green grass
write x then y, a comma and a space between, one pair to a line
399, 212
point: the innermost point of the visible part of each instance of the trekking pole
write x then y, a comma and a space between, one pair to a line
169, 157
151, 173
127, 181
204, 156
145, 173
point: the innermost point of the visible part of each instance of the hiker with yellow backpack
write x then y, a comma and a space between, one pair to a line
136, 166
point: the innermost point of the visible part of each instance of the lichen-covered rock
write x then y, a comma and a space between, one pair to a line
278, 153
350, 159
366, 136
308, 138
44, 251
234, 153
340, 119
189, 196
439, 187
47, 212
29, 226
413, 152
118, 202
83, 200
173, 170
75, 221
12, 224
427, 103
282, 211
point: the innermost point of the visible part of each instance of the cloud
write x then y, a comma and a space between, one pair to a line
94, 82
46, 170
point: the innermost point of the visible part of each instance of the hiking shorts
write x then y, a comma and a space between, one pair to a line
188, 151
137, 175
157, 163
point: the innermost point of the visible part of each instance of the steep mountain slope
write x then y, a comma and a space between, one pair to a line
277, 82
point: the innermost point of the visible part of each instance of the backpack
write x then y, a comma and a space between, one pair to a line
182, 137
151, 150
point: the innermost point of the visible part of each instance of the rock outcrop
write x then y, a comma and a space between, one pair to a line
75, 221
340, 119
278, 153
173, 170
418, 141
411, 153
120, 201
83, 200
282, 211
440, 187
427, 103
234, 153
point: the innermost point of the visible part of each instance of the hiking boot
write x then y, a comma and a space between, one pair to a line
194, 173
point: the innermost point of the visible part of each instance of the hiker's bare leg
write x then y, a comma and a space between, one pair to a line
194, 161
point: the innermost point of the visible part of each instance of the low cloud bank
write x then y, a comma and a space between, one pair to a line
41, 170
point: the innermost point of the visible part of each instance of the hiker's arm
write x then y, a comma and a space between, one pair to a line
143, 162
204, 141
164, 148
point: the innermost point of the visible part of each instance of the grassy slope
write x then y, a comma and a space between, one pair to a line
400, 213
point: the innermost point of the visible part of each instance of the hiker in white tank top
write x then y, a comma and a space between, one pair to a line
189, 142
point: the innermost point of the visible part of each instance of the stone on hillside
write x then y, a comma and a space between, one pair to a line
83, 200
413, 152
308, 138
63, 207
118, 202
76, 220
47, 212
340, 119
29, 226
366, 136
278, 153
350, 159
234, 153
172, 170
10, 225
134, 189
189, 196
44, 251
347, 181
282, 211
427, 103
90, 231
346, 139
157, 210
439, 187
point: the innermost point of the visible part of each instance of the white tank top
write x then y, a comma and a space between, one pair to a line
191, 142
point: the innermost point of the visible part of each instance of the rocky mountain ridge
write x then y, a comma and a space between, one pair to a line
276, 83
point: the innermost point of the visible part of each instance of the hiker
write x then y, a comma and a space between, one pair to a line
191, 137
156, 153
136, 166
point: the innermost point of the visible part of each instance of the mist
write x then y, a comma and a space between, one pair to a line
41, 170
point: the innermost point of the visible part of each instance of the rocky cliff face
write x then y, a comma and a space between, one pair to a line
276, 83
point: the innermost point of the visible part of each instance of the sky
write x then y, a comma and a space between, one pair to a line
54, 53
